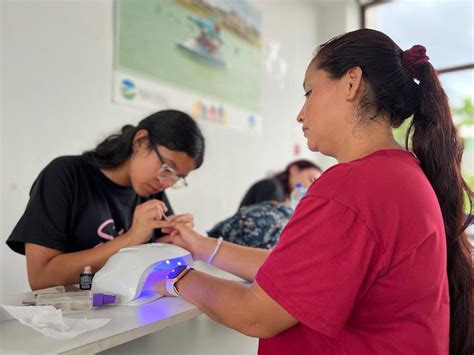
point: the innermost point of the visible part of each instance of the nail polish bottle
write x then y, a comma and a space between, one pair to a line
85, 281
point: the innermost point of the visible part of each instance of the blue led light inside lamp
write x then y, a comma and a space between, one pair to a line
158, 272
133, 272
169, 264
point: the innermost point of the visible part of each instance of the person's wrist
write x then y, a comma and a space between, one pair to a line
190, 269
205, 247
176, 274
128, 239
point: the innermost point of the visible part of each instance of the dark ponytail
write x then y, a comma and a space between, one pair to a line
392, 90
172, 129
438, 147
114, 150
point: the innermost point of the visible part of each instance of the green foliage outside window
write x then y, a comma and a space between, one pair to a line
465, 118
465, 113
401, 132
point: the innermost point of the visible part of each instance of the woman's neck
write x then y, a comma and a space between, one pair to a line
120, 175
367, 139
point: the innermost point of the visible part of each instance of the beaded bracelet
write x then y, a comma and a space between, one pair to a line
216, 249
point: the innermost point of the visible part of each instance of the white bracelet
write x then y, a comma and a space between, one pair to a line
216, 249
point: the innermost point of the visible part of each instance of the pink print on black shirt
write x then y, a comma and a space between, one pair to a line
107, 231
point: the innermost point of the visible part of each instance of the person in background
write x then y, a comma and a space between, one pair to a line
258, 225
279, 187
375, 259
83, 209
265, 209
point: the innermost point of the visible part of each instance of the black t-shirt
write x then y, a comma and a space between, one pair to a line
73, 206
264, 190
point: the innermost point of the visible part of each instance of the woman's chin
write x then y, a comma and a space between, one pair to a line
143, 192
312, 146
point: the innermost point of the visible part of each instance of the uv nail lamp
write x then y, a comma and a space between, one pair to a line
131, 272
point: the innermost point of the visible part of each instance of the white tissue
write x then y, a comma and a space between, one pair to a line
50, 322
45, 317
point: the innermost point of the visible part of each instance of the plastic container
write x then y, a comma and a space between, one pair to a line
75, 301
296, 195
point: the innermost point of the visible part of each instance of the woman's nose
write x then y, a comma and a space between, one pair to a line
300, 116
166, 184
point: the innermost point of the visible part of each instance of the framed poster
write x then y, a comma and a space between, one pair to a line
200, 56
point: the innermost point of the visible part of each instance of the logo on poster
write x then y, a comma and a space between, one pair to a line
128, 89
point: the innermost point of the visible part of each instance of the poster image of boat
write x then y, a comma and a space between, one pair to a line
207, 48
206, 45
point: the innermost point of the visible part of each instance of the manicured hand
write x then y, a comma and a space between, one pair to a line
187, 219
160, 287
146, 217
189, 239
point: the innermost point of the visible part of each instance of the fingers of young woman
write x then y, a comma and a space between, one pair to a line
154, 205
145, 220
155, 212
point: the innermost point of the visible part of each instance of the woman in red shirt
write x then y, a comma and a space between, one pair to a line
374, 260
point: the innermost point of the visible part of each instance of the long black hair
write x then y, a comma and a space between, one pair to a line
172, 129
404, 84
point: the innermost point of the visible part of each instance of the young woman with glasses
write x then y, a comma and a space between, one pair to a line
83, 209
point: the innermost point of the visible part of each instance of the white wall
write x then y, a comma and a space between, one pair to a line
56, 76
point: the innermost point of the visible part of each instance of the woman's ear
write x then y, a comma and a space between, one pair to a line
353, 83
139, 139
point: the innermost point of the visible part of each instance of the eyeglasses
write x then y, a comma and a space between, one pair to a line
167, 173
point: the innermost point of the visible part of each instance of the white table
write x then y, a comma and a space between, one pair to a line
127, 323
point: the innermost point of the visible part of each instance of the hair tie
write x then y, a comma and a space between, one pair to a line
415, 56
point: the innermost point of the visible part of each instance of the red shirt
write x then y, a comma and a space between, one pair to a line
362, 263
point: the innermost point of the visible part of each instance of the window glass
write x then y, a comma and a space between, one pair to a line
459, 87
444, 27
